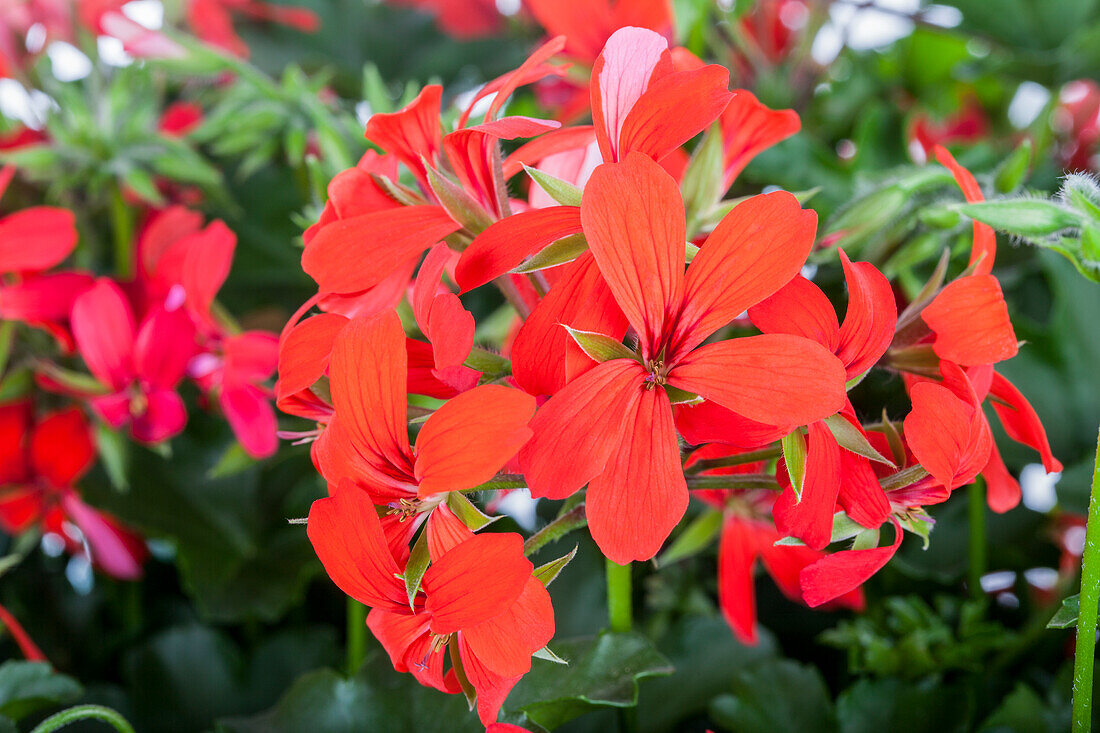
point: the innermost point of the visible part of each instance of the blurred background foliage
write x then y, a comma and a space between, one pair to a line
232, 628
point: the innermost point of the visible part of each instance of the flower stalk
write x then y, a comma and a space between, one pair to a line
357, 635
84, 712
1085, 649
977, 539
620, 610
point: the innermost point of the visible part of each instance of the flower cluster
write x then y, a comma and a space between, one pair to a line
665, 341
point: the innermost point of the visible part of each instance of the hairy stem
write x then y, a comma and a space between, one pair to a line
1085, 650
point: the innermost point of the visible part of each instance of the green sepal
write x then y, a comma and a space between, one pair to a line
599, 347
563, 192
794, 456
547, 573
698, 535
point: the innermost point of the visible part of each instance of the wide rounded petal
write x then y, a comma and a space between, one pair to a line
711, 423
36, 239
633, 218
251, 417
748, 128
800, 309
506, 642
634, 504
103, 327
775, 379
47, 297
506, 243
165, 416
620, 75
354, 254
467, 440
348, 538
305, 352
949, 437
970, 320
475, 581
753, 252
871, 318
577, 430
842, 572
61, 447
164, 345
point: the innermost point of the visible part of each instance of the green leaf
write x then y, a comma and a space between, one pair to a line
850, 438
26, 687
563, 192
1023, 217
874, 706
1066, 615
776, 695
488, 362
458, 204
417, 566
1010, 174
599, 347
697, 536
465, 510
602, 672
114, 451
557, 253
794, 455
549, 572
702, 181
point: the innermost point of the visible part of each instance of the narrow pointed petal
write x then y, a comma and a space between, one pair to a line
475, 581
427, 284
871, 318
842, 572
47, 297
367, 381
775, 379
249, 413
36, 239
860, 493
578, 429
635, 503
970, 320
736, 586
754, 251
810, 517
985, 239
633, 218
351, 255
103, 327
116, 551
451, 331
411, 133
1020, 420
1002, 489
469, 439
349, 541
506, 642
445, 531
506, 243
209, 259
800, 309
749, 128
581, 300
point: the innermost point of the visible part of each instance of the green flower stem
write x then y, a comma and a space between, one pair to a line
565, 523
977, 551
620, 609
735, 481
1085, 651
763, 454
357, 635
122, 226
7, 338
84, 712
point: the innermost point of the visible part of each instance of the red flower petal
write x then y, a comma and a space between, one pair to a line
61, 447
411, 133
103, 327
305, 352
635, 503
633, 218
466, 441
970, 320
1002, 489
1021, 421
354, 254
748, 128
476, 581
753, 252
347, 536
870, 320
736, 586
775, 379
800, 309
712, 423
810, 517
36, 239
578, 430
620, 75
985, 240
506, 243
842, 572
506, 642
949, 437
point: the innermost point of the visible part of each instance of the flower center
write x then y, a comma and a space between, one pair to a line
658, 374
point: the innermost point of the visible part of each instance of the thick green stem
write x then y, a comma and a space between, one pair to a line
122, 226
1085, 651
763, 454
620, 607
357, 635
977, 554
84, 712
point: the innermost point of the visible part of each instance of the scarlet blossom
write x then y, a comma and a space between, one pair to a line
183, 265
588, 26
392, 237
963, 126
461, 445
1077, 117
612, 420
842, 572
748, 128
41, 462
138, 365
33, 241
478, 597
640, 103
460, 18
